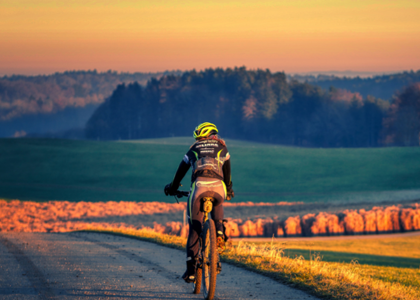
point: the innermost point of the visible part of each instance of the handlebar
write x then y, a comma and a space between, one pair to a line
180, 194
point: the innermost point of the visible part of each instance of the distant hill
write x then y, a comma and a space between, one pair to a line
48, 124
61, 101
383, 86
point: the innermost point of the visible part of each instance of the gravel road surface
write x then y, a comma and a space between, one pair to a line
102, 266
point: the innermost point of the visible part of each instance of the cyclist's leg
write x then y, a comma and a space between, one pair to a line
217, 214
195, 218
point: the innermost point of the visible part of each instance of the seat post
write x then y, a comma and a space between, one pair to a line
207, 207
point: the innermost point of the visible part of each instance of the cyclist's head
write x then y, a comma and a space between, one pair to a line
204, 130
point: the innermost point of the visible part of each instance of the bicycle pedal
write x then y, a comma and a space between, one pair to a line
188, 279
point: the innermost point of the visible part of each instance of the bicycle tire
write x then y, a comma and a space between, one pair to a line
209, 270
198, 279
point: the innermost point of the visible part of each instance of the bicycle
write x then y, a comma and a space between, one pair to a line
208, 264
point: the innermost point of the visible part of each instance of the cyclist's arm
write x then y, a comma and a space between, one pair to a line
180, 173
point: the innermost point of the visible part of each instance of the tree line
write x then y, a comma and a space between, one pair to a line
383, 86
256, 105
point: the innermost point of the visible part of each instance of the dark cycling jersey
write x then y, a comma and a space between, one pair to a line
209, 157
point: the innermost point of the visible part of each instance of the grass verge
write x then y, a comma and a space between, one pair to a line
331, 280
363, 259
408, 247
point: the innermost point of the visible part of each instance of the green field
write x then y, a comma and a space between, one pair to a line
47, 169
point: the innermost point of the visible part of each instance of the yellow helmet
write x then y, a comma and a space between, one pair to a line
204, 130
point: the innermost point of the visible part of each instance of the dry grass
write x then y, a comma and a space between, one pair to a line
335, 280
329, 280
62, 216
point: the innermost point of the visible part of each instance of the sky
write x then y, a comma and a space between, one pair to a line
47, 36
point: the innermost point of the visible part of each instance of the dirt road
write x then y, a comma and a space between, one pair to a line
101, 266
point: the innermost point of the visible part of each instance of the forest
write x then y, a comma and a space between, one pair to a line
44, 94
257, 105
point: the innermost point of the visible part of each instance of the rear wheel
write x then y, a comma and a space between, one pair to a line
209, 259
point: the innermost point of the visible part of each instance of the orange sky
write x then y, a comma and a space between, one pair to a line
146, 36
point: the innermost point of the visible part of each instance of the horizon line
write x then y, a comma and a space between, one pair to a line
336, 73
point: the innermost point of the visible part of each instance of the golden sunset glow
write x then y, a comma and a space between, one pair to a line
291, 36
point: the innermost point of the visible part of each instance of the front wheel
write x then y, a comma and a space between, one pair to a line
197, 282
209, 259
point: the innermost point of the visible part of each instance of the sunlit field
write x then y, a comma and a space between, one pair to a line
408, 247
398, 252
43, 169
170, 218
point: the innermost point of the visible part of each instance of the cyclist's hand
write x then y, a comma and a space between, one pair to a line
229, 192
169, 190
230, 195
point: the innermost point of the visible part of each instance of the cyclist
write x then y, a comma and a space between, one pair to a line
211, 177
